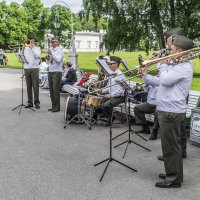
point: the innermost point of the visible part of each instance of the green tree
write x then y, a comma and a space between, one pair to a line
133, 22
13, 29
35, 17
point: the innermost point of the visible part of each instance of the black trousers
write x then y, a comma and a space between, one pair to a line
170, 128
141, 109
32, 83
54, 88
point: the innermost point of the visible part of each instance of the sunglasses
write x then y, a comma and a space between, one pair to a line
53, 41
112, 63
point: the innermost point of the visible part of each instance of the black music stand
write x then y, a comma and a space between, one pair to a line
110, 158
21, 58
128, 88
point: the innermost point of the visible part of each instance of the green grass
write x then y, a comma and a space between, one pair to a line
87, 62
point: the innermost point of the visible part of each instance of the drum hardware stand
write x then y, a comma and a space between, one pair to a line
21, 58
127, 87
80, 116
110, 158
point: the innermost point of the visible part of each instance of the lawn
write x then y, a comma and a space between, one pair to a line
87, 62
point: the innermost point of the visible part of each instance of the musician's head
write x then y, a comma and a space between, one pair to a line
170, 35
114, 63
69, 65
181, 43
30, 38
55, 42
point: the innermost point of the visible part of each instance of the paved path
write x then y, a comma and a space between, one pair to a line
39, 160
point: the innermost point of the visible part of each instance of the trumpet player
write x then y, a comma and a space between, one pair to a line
174, 85
55, 73
113, 93
31, 69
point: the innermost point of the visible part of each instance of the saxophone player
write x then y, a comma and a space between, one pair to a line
56, 56
31, 68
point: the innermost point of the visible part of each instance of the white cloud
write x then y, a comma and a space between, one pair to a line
74, 5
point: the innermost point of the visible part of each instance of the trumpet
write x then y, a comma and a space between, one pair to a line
175, 58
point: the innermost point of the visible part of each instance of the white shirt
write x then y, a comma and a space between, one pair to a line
43, 67
32, 55
115, 90
57, 57
174, 85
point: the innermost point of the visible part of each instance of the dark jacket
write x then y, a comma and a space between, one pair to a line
71, 76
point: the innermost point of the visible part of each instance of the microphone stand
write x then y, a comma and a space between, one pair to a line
21, 58
110, 158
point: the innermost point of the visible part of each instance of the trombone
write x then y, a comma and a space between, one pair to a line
175, 58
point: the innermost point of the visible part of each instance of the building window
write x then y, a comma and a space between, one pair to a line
97, 44
89, 44
78, 42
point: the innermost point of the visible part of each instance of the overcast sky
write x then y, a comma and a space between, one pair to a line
75, 5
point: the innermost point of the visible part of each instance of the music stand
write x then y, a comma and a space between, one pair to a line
125, 86
21, 58
110, 158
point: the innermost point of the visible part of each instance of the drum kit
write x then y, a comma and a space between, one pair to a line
81, 110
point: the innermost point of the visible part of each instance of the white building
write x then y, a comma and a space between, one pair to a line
86, 41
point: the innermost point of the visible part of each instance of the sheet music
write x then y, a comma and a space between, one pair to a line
102, 63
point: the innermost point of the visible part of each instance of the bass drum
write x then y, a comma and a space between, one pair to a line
71, 108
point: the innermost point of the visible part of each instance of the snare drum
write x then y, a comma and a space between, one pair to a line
95, 101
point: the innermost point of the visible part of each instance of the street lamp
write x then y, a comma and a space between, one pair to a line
72, 56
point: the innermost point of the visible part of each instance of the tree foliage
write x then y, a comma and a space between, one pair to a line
134, 24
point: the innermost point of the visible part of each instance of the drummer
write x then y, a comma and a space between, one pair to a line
113, 93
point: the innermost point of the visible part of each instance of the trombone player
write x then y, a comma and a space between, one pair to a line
31, 69
113, 93
174, 85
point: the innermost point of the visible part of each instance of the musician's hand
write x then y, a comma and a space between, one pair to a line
144, 71
165, 62
99, 91
107, 96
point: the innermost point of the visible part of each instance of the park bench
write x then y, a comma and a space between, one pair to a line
194, 101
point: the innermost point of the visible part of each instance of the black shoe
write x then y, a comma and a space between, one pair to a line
50, 109
153, 135
107, 123
94, 117
37, 106
184, 155
145, 129
161, 158
55, 110
29, 106
162, 176
167, 184
113, 118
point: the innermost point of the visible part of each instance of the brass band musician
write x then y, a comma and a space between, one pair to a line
174, 85
113, 93
31, 69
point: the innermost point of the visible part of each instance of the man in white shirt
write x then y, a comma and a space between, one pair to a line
113, 93
56, 55
31, 69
